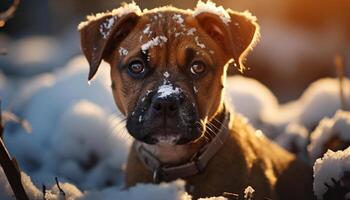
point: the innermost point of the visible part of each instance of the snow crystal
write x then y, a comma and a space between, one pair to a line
331, 165
211, 7
147, 29
201, 45
119, 12
178, 18
105, 27
249, 192
339, 126
191, 31
166, 90
123, 51
166, 74
159, 40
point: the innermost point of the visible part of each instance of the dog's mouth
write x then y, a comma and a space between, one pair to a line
165, 121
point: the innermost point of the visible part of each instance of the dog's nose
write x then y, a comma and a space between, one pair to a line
166, 106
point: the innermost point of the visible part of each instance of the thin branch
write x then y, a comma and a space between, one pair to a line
59, 187
44, 192
338, 61
11, 169
6, 15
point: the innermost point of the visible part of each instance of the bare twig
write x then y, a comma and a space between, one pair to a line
11, 169
1, 126
59, 187
3, 52
6, 15
340, 72
44, 192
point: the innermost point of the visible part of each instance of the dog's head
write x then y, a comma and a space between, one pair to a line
168, 66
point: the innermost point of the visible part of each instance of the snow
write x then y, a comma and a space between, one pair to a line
166, 74
32, 55
158, 40
67, 114
249, 192
211, 7
294, 135
166, 90
331, 165
105, 27
172, 191
123, 51
339, 126
125, 9
191, 31
178, 18
201, 45
147, 29
250, 98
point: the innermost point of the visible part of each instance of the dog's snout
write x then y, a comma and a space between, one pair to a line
166, 106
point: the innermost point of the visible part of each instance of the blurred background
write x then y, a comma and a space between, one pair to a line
43, 79
298, 44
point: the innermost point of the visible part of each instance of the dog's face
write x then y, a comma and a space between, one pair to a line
168, 67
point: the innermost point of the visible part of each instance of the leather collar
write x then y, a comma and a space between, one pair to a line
194, 166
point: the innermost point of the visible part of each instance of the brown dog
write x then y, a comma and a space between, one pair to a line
168, 70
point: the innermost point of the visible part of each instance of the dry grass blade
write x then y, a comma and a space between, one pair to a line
6, 15
10, 117
338, 61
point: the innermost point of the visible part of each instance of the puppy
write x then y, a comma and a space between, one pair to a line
168, 71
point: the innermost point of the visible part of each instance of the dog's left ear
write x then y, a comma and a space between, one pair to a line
236, 34
98, 37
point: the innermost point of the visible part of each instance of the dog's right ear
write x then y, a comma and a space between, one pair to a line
98, 36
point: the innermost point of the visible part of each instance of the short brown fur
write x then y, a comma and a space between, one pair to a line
247, 157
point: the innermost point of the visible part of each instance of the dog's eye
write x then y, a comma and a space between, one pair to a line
197, 68
136, 68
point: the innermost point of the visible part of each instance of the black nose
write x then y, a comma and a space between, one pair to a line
168, 106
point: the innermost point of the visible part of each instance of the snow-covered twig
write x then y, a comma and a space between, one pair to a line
6, 15
11, 169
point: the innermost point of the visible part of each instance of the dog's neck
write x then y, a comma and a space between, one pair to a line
177, 154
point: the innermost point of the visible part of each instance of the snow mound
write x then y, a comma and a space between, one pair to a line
294, 138
66, 113
321, 99
331, 165
328, 129
35, 54
171, 191
250, 98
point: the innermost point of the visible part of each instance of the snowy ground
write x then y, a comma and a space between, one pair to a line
79, 135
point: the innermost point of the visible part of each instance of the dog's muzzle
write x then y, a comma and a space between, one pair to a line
165, 115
